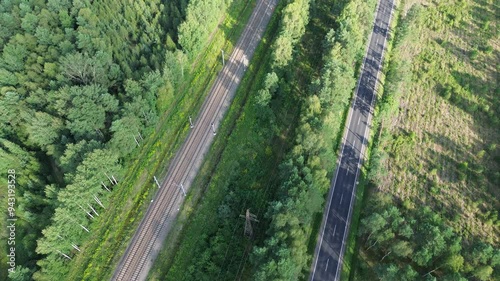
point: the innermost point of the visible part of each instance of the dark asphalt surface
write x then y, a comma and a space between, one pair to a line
327, 262
149, 236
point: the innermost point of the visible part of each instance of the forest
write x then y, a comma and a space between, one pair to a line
82, 85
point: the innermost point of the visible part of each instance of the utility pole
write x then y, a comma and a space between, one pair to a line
105, 187
191, 122
249, 218
64, 255
136, 141
98, 201
223, 63
156, 181
213, 129
182, 188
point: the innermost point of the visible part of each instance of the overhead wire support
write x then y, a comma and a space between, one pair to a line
156, 181
249, 218
64, 255
213, 129
105, 187
181, 187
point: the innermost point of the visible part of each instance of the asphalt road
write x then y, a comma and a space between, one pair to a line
148, 238
328, 257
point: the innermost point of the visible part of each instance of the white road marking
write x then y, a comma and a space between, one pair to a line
327, 261
359, 119
334, 230
347, 172
354, 144
341, 198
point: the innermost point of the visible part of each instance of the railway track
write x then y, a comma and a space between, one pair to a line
148, 238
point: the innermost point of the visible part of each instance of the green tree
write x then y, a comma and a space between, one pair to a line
86, 108
454, 262
402, 249
283, 48
85, 69
271, 82
483, 273
481, 253
125, 134
44, 130
20, 274
389, 272
74, 154
14, 55
263, 98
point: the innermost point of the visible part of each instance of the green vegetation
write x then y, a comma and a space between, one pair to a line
430, 212
94, 99
77, 88
305, 179
243, 172
64, 96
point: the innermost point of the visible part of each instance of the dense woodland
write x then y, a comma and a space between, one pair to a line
80, 83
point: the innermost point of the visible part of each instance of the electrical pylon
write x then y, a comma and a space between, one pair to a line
249, 217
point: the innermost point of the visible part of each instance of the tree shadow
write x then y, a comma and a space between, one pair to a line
476, 34
473, 95
476, 55
466, 163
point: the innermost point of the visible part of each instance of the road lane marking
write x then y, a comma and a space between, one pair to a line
347, 172
334, 230
354, 144
341, 198
326, 267
359, 119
